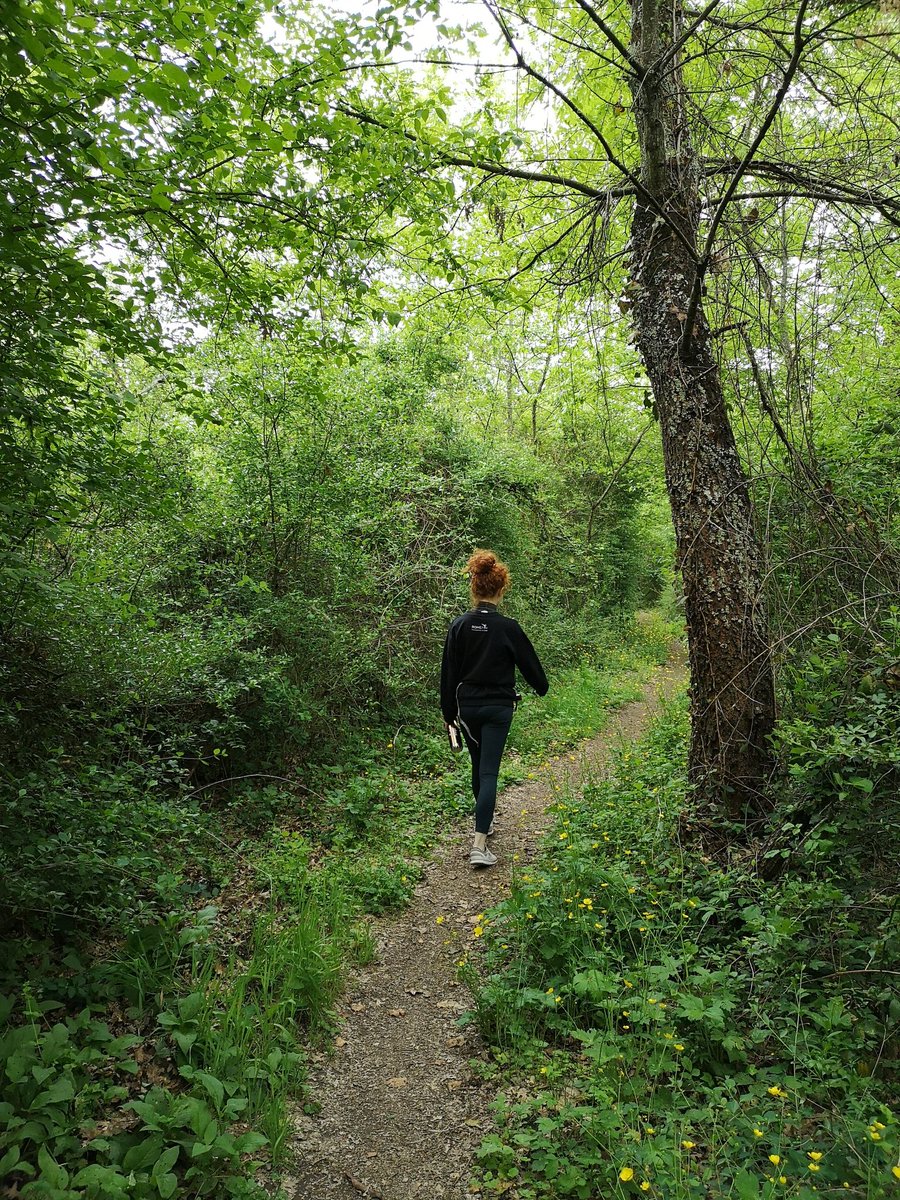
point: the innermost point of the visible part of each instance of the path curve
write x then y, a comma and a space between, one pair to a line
402, 1112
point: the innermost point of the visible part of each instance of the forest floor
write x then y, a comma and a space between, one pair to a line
402, 1109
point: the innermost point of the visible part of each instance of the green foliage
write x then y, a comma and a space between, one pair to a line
838, 741
661, 1020
232, 517
76, 1125
82, 843
221, 1027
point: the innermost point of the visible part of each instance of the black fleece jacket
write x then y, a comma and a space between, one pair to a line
481, 653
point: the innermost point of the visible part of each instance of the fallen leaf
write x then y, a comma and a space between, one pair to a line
340, 1042
397, 1012
453, 1085
358, 1007
398, 1081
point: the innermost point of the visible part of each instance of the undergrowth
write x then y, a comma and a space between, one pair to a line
153, 1036
664, 1026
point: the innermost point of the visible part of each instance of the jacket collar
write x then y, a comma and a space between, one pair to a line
483, 605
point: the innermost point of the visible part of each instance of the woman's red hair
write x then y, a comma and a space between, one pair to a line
487, 575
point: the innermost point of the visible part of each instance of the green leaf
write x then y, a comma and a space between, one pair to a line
166, 1161
62, 1090
104, 1178
175, 75
51, 1172
160, 197
746, 1185
144, 1153
166, 1185
190, 1005
9, 1160
214, 1086
249, 1143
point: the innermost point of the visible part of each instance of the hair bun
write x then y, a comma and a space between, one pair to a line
481, 562
488, 576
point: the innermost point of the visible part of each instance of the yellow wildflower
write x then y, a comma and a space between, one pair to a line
626, 1174
895, 1171
438, 920
478, 931
774, 1159
815, 1155
757, 1133
679, 1046
645, 1186
688, 1145
813, 1166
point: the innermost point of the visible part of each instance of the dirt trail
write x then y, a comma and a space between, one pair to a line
402, 1113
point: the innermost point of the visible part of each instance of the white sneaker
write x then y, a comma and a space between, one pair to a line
481, 858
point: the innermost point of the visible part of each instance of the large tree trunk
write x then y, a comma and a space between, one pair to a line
732, 692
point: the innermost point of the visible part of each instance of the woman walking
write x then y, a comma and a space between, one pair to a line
478, 685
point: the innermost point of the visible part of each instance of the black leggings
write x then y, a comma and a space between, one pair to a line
485, 727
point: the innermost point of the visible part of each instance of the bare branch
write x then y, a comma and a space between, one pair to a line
790, 72
800, 181
638, 188
489, 166
612, 37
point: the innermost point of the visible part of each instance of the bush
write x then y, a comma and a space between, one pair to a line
674, 1028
